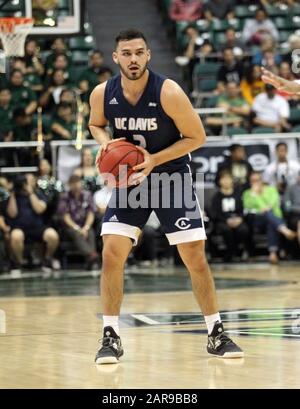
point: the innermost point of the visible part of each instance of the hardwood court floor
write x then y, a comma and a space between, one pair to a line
51, 340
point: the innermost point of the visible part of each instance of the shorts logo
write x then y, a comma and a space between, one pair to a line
113, 219
183, 223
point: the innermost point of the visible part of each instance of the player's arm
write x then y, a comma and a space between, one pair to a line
292, 87
98, 122
178, 107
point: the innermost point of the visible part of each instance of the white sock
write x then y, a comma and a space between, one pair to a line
111, 321
210, 321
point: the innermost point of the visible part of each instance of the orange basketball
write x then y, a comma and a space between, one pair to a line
117, 161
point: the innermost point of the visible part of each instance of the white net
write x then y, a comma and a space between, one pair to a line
13, 33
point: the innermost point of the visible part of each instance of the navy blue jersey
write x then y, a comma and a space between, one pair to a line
145, 124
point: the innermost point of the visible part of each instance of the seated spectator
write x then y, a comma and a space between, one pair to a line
286, 73
58, 47
62, 63
237, 165
51, 97
262, 202
25, 208
6, 115
31, 79
236, 107
227, 214
291, 205
88, 172
76, 209
257, 29
252, 84
64, 124
4, 228
282, 172
50, 187
231, 41
230, 71
88, 79
32, 60
220, 9
268, 55
271, 110
22, 96
186, 10
104, 74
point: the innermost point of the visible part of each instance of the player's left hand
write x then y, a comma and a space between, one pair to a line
145, 167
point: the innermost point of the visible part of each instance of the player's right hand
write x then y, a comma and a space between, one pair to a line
104, 145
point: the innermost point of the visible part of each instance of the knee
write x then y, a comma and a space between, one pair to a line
50, 235
112, 256
193, 253
17, 235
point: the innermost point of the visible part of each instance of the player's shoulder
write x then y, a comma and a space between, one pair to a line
171, 88
99, 90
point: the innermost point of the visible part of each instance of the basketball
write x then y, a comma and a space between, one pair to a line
118, 160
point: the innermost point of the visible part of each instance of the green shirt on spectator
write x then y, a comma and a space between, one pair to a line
69, 126
91, 76
6, 116
22, 96
256, 203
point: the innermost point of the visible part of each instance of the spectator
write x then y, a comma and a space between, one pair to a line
271, 110
256, 30
64, 125
282, 172
286, 73
31, 79
195, 47
104, 74
22, 96
231, 41
76, 208
88, 172
32, 60
291, 204
25, 209
236, 107
237, 165
186, 10
51, 97
252, 84
220, 9
58, 47
268, 55
6, 115
61, 62
89, 77
50, 187
230, 71
4, 228
263, 205
227, 214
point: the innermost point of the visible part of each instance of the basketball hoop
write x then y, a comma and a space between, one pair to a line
13, 33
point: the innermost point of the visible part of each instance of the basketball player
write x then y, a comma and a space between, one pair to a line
292, 87
171, 130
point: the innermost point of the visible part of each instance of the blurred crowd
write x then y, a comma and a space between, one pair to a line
222, 46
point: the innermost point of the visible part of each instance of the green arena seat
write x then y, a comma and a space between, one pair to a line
234, 130
244, 11
207, 85
294, 118
80, 57
206, 69
211, 102
296, 128
82, 43
263, 129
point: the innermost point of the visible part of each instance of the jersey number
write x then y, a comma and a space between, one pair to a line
140, 139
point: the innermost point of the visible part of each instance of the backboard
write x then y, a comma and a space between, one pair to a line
55, 17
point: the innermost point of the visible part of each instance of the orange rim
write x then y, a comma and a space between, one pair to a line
8, 23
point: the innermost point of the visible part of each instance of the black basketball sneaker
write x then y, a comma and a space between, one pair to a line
220, 345
111, 349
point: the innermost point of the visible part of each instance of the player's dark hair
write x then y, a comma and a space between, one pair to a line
281, 144
130, 34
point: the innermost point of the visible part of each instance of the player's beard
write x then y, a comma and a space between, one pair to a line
133, 76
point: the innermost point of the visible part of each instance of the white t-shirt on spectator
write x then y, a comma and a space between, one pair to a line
277, 172
271, 110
